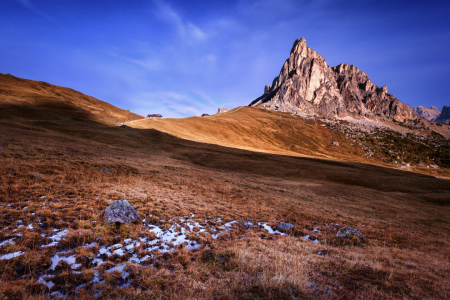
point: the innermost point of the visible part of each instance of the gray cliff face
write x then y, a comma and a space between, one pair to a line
307, 84
444, 116
429, 113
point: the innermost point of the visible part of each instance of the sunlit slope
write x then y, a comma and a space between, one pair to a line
253, 129
29, 100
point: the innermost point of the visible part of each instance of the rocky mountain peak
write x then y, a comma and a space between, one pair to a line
306, 84
299, 51
445, 113
444, 116
299, 45
429, 113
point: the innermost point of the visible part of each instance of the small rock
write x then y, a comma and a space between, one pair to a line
76, 267
37, 176
282, 226
105, 171
322, 252
222, 110
120, 211
335, 144
220, 259
347, 231
57, 295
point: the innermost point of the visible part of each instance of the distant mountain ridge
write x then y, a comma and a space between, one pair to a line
434, 114
306, 84
429, 113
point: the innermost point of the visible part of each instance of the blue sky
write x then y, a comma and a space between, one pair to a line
184, 58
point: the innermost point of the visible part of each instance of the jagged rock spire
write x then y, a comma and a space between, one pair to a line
307, 84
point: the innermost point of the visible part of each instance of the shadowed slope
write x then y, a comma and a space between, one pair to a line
22, 100
261, 130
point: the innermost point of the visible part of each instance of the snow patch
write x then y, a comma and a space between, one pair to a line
56, 259
7, 242
56, 238
42, 280
11, 255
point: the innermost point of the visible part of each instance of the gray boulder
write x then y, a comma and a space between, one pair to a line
349, 231
120, 212
282, 226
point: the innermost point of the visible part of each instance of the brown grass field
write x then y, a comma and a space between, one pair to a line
61, 165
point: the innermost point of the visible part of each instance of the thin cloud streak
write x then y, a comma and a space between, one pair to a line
185, 29
27, 4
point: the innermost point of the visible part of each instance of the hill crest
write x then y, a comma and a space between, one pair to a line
24, 99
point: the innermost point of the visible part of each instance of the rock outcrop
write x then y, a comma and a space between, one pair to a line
282, 226
429, 113
222, 110
306, 84
444, 116
120, 212
349, 231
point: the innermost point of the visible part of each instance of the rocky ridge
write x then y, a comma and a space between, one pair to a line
444, 116
429, 113
306, 84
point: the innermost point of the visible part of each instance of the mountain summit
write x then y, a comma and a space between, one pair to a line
306, 84
429, 113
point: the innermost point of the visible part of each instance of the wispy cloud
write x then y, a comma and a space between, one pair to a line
210, 58
27, 4
172, 104
183, 109
185, 29
205, 97
149, 63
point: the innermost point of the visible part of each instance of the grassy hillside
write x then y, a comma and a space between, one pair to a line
253, 129
29, 100
261, 130
58, 176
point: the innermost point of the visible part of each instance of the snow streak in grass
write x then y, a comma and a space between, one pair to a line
11, 255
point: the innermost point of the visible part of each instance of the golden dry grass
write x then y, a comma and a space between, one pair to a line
251, 129
23, 99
